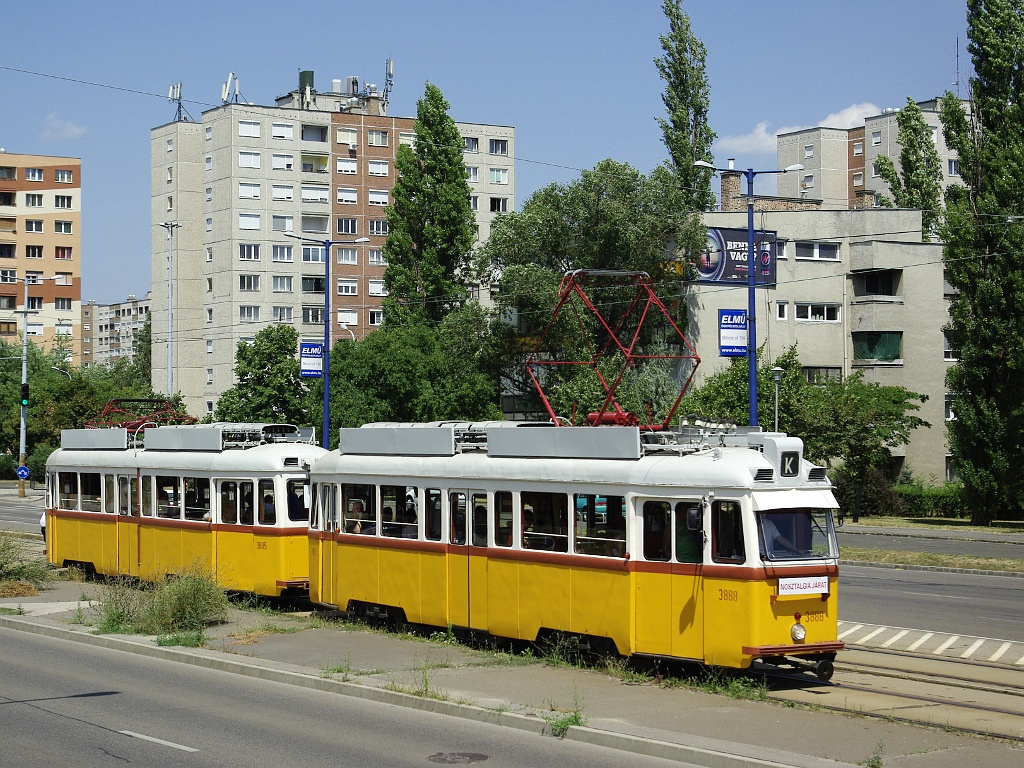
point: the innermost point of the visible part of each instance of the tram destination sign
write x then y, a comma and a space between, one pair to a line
816, 585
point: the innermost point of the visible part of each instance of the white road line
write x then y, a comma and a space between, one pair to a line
921, 641
970, 651
945, 645
1020, 661
155, 740
932, 594
851, 630
999, 654
869, 636
895, 637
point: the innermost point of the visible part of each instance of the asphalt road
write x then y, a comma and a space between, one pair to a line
935, 542
68, 704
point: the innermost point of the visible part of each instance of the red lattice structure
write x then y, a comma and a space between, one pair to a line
624, 338
137, 414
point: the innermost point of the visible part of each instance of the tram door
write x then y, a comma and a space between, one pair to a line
126, 507
467, 559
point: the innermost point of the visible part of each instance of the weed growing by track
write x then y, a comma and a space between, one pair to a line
22, 573
565, 719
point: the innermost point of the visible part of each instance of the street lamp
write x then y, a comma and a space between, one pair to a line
325, 440
750, 173
777, 373
170, 227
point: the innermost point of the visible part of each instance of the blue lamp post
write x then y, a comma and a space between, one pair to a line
749, 174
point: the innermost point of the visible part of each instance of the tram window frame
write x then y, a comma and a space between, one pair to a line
682, 530
594, 536
197, 498
657, 530
90, 486
480, 520
549, 530
327, 501
457, 508
300, 513
125, 495
727, 529
402, 524
433, 516
246, 502
67, 490
365, 524
229, 499
264, 489
109, 497
314, 506
167, 507
147, 495
503, 518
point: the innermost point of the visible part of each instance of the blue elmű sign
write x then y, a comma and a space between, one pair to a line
732, 332
311, 359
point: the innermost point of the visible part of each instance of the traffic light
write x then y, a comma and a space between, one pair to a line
24, 395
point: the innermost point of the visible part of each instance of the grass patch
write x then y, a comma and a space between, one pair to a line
19, 564
261, 630
187, 602
6, 610
937, 523
721, 682
189, 639
424, 690
563, 720
865, 555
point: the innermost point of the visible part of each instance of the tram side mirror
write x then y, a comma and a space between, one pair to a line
693, 519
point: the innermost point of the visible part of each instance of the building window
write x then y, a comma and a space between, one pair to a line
376, 317
283, 223
209, 253
347, 136
377, 138
315, 194
817, 313
282, 192
8, 276
377, 167
35, 302
348, 165
209, 285
8, 329
313, 254
949, 352
62, 227
472, 174
376, 258
282, 284
208, 163
209, 315
347, 196
63, 252
953, 166
248, 221
877, 282
33, 174
209, 375
499, 204
348, 287
822, 374
376, 288
282, 131
314, 133
348, 227
348, 256
808, 150
472, 144
379, 227
858, 148
209, 194
281, 162
7, 251
876, 138
63, 176
33, 225
248, 314
34, 201
808, 182
825, 251
874, 170
499, 175
282, 314
248, 191
248, 282
31, 251
377, 197
886, 346
34, 329
781, 310
249, 128
858, 179
499, 147
950, 414
209, 132
313, 315
209, 346
249, 251
408, 138
245, 160
282, 253
474, 202
170, 173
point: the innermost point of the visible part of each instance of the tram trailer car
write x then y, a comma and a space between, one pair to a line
712, 547
231, 500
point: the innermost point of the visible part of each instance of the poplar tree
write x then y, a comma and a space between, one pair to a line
919, 184
984, 259
430, 222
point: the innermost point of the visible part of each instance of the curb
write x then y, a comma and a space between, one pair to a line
939, 568
608, 739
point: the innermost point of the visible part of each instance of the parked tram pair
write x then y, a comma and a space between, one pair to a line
701, 545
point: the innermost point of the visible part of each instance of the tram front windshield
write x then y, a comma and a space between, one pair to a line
795, 534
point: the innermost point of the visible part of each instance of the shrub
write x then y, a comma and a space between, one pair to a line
8, 466
877, 495
933, 501
181, 604
17, 563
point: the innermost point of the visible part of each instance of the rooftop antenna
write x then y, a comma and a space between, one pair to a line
181, 115
389, 80
957, 81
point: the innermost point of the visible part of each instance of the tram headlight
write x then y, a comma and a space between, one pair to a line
798, 632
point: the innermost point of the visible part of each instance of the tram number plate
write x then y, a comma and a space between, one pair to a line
816, 585
261, 545
729, 595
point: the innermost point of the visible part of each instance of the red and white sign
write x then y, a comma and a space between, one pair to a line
815, 585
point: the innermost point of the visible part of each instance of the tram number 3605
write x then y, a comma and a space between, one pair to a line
728, 595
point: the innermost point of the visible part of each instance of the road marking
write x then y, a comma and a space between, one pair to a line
945, 645
850, 631
869, 636
932, 594
970, 651
998, 654
921, 641
894, 638
155, 740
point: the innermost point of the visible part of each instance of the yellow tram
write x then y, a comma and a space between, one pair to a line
714, 546
231, 500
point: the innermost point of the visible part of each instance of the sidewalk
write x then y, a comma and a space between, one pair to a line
687, 726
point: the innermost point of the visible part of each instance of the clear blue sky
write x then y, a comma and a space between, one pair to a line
576, 79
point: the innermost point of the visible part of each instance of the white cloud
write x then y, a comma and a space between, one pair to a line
851, 117
56, 128
762, 138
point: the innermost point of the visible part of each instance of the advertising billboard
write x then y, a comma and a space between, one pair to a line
725, 260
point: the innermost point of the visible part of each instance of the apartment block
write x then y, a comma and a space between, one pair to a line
41, 251
242, 203
110, 331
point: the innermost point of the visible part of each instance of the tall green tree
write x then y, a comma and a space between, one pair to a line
918, 182
984, 258
430, 222
269, 386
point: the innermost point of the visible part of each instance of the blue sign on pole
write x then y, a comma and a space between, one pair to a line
732, 332
311, 359
23, 473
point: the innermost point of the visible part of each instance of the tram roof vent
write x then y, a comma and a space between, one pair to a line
816, 473
764, 475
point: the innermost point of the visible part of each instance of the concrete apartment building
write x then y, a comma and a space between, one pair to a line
110, 331
41, 250
229, 190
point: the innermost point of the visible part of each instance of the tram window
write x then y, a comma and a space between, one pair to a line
229, 502
398, 511
433, 514
657, 530
246, 502
90, 485
689, 542
267, 503
168, 497
147, 495
109, 497
503, 518
600, 525
68, 484
726, 533
457, 516
298, 502
360, 516
124, 496
197, 498
480, 517
328, 505
132, 506
545, 519
314, 508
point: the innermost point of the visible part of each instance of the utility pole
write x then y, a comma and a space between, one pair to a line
170, 227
